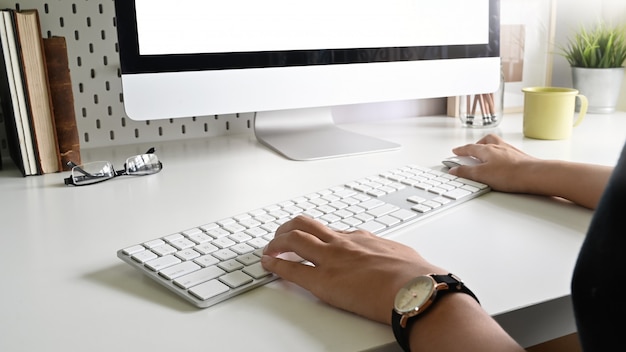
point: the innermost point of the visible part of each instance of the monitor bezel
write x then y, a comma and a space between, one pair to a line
132, 62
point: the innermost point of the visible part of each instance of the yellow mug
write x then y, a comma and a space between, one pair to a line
549, 112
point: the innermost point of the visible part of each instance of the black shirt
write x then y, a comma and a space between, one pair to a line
600, 273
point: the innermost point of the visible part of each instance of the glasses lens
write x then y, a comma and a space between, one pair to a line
144, 164
97, 171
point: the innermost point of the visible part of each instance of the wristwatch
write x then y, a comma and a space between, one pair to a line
416, 296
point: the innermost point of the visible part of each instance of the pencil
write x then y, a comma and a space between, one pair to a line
469, 114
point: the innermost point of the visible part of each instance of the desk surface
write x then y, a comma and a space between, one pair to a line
65, 289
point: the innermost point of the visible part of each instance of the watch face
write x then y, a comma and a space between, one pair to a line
414, 294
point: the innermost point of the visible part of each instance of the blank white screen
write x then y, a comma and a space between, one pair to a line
244, 25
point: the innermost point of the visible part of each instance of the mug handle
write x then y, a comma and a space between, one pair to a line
583, 109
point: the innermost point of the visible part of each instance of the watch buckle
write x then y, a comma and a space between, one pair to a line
460, 282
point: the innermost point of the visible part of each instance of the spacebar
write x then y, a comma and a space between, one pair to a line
198, 277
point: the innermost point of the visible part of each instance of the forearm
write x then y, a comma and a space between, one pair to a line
580, 183
456, 322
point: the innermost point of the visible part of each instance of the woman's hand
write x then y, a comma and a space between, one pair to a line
355, 271
508, 169
504, 167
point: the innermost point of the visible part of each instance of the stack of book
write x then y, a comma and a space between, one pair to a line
36, 96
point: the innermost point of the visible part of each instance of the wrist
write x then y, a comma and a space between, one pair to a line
418, 297
452, 313
545, 177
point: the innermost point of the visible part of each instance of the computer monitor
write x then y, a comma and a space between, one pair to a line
290, 62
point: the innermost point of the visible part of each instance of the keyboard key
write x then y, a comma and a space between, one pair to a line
164, 250
173, 237
241, 248
223, 242
192, 232
352, 222
249, 223
179, 270
230, 265
256, 271
270, 226
144, 256
224, 254
240, 237
206, 260
134, 249
471, 188
248, 259
187, 254
154, 243
364, 217
182, 243
457, 193
198, 277
442, 200
256, 232
209, 226
206, 248
371, 204
472, 183
339, 226
403, 214
234, 228
257, 242
372, 226
235, 279
420, 208
217, 232
162, 262
432, 204
200, 237
209, 289
388, 220
382, 210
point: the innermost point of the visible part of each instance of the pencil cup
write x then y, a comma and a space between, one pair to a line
482, 110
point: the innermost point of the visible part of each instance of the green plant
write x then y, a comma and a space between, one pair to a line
599, 47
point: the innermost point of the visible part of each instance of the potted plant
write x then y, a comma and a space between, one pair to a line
597, 57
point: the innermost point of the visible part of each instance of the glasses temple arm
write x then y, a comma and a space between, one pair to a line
78, 168
70, 180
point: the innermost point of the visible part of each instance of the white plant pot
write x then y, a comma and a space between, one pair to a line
601, 86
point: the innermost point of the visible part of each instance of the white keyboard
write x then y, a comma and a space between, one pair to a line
213, 262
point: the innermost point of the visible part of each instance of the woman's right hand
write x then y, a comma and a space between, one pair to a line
504, 167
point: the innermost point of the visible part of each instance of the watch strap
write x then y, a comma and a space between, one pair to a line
454, 285
399, 332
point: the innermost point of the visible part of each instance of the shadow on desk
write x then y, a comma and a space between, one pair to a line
551, 210
125, 279
280, 301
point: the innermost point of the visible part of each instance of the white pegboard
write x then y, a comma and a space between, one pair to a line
89, 29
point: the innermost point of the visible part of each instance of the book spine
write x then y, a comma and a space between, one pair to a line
10, 110
36, 77
26, 158
62, 100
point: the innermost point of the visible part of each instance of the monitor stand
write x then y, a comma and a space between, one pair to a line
311, 134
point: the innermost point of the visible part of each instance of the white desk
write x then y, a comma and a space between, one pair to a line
64, 289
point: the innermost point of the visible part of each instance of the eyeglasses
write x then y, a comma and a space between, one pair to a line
100, 171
